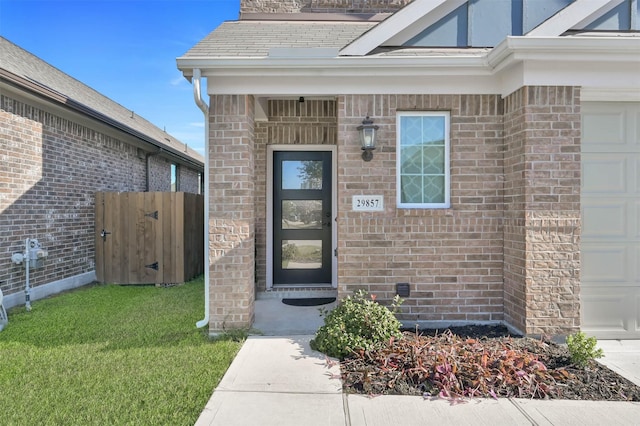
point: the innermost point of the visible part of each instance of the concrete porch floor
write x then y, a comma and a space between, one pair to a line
274, 318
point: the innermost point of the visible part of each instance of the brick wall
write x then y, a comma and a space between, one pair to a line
514, 209
231, 212
542, 221
159, 174
507, 249
290, 122
452, 258
189, 180
339, 6
50, 169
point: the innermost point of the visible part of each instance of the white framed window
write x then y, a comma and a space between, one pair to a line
175, 177
422, 156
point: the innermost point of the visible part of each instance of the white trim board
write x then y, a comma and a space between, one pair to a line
422, 14
617, 94
402, 25
576, 15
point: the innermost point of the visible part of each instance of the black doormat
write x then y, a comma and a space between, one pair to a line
309, 301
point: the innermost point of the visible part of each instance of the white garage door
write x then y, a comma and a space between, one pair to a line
610, 292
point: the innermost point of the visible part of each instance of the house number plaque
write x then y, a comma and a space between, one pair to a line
368, 203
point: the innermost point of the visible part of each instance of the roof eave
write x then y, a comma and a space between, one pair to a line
400, 65
567, 49
512, 49
595, 62
53, 96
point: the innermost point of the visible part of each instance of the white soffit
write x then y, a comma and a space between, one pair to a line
577, 14
410, 19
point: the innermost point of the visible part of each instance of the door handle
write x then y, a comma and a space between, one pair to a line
104, 234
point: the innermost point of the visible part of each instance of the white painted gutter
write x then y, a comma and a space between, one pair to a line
197, 95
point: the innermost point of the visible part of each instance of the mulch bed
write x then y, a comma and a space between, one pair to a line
480, 361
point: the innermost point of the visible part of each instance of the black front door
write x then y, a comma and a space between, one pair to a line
302, 217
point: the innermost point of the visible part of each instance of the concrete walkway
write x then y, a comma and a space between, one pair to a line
623, 357
280, 381
276, 379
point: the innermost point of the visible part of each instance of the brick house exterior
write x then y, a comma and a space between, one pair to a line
322, 6
60, 142
508, 248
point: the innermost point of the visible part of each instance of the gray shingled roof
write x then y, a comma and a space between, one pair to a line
23, 64
255, 38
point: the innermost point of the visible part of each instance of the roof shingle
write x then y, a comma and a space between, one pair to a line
23, 64
255, 38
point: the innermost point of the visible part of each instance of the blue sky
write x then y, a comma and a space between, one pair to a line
124, 49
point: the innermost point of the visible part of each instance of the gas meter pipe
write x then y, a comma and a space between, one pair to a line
27, 288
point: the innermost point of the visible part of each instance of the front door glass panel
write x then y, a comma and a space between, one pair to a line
301, 254
306, 174
302, 217
301, 214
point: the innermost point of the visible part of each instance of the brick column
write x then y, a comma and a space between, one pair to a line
542, 210
514, 269
231, 212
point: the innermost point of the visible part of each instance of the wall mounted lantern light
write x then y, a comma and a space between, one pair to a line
367, 138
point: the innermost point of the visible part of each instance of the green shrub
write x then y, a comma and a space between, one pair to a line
583, 349
358, 322
289, 251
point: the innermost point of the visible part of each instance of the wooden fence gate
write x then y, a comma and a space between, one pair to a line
149, 237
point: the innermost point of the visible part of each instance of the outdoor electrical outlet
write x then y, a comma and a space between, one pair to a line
403, 290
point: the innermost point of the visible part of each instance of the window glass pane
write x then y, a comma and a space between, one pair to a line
433, 130
301, 214
411, 189
422, 155
302, 174
433, 189
301, 254
411, 130
433, 160
174, 177
411, 159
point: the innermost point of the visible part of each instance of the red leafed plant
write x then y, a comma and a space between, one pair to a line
452, 367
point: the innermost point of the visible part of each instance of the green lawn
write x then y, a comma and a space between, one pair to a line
110, 355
